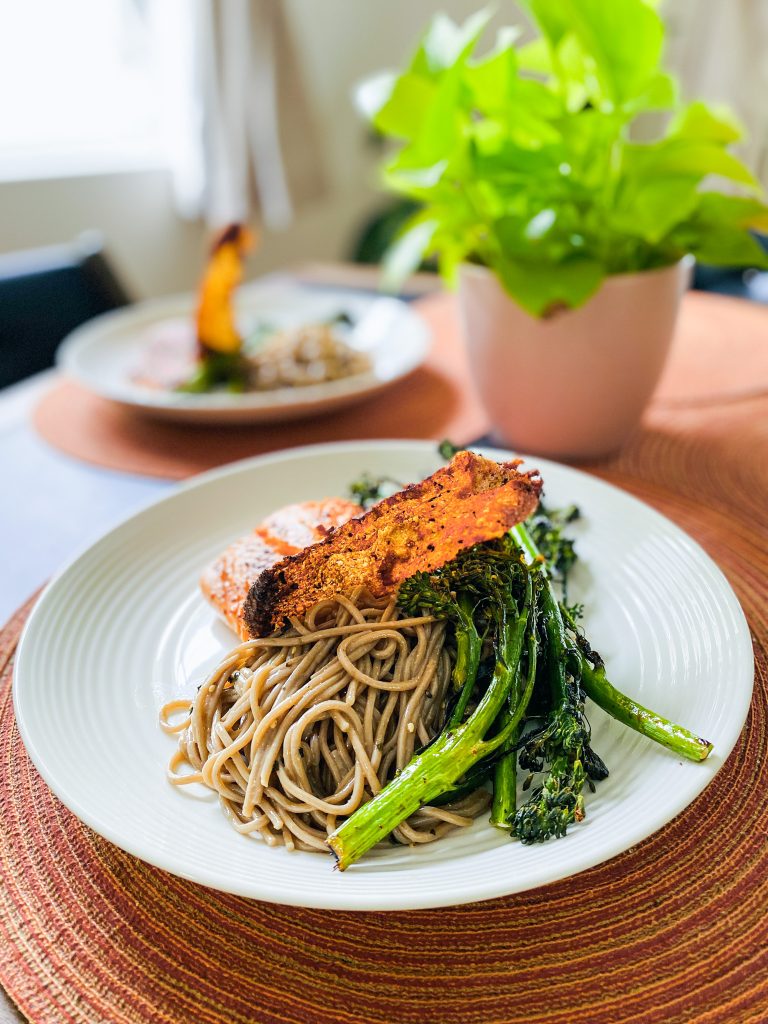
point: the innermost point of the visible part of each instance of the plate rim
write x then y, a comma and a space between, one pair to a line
481, 889
280, 399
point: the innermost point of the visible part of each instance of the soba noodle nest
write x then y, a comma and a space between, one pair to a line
294, 732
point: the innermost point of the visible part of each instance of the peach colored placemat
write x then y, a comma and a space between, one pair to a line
435, 401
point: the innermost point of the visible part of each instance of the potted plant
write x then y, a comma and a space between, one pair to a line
569, 239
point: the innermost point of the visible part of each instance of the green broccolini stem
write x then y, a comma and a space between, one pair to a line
505, 774
469, 645
627, 711
557, 648
598, 687
505, 790
525, 541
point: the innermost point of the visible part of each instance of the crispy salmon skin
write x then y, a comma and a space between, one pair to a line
470, 500
226, 581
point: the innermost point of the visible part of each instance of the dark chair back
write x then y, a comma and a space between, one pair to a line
45, 294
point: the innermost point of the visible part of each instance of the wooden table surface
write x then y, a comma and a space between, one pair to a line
54, 506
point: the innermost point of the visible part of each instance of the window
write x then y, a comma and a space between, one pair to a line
78, 87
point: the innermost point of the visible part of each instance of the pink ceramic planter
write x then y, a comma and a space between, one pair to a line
573, 385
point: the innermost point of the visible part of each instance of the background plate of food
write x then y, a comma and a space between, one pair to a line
289, 351
127, 630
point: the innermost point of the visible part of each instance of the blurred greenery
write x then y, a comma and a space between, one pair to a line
521, 159
381, 229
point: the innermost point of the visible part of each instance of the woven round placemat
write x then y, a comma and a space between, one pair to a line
674, 931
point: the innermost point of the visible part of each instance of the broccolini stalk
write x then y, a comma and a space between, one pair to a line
563, 743
627, 711
599, 688
505, 773
546, 529
504, 803
442, 764
469, 646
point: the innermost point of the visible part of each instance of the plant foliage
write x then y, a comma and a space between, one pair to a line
522, 160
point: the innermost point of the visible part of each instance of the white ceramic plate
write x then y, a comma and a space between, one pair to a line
105, 353
123, 629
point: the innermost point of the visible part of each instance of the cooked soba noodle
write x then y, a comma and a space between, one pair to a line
294, 732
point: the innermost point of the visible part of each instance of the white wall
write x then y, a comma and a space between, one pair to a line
154, 251
340, 41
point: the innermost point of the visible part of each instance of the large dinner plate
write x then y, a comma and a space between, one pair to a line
105, 354
123, 629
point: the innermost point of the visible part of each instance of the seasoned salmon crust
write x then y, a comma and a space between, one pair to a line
472, 499
226, 581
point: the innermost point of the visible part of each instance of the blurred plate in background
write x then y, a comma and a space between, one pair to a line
105, 355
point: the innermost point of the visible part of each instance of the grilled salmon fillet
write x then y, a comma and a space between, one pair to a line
420, 528
227, 580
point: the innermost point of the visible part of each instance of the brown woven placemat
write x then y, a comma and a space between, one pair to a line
674, 931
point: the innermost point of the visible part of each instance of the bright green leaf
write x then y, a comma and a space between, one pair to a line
402, 115
408, 252
530, 117
493, 79
543, 288
528, 131
446, 43
552, 18
538, 99
536, 57
652, 207
374, 92
704, 124
705, 160
674, 157
725, 247
515, 166
416, 178
576, 72
489, 135
660, 94
441, 133
506, 38
623, 37
736, 211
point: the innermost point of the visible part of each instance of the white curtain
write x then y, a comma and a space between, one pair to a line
241, 140
719, 48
